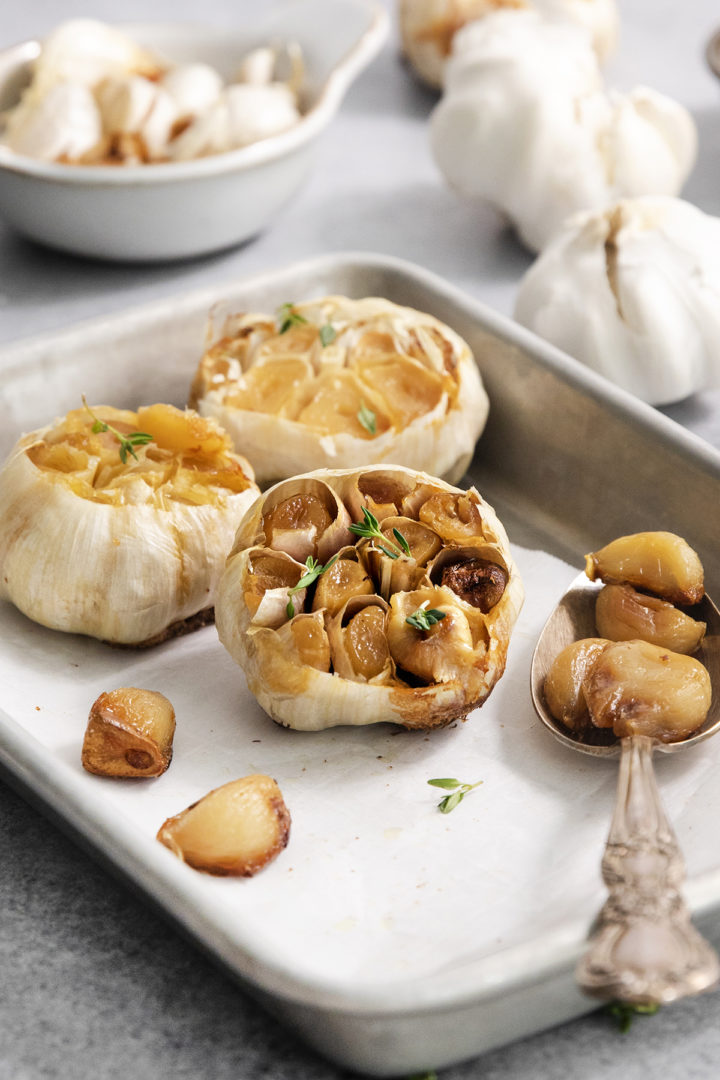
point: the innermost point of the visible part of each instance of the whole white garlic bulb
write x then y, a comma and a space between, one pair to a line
427, 27
633, 291
524, 123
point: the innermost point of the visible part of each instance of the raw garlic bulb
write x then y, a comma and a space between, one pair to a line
362, 596
428, 27
339, 382
525, 123
127, 552
633, 291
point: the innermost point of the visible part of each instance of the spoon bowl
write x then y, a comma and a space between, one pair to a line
643, 948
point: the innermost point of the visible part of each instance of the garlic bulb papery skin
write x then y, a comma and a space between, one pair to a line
135, 106
346, 656
525, 124
428, 27
293, 404
64, 123
122, 552
633, 291
242, 114
193, 88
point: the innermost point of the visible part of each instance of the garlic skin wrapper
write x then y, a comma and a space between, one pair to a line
526, 124
293, 404
122, 552
338, 650
428, 27
633, 292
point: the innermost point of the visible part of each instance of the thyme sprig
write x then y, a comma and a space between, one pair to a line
367, 418
313, 571
287, 316
459, 791
369, 528
425, 617
625, 1012
127, 442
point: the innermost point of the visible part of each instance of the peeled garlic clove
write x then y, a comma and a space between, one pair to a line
234, 830
258, 67
129, 552
133, 105
130, 733
65, 123
241, 115
86, 51
304, 517
393, 384
622, 614
563, 688
269, 577
350, 660
659, 562
400, 569
193, 88
641, 689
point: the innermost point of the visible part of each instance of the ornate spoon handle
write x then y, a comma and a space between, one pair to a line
643, 947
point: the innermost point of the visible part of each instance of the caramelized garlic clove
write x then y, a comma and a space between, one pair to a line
304, 517
477, 576
563, 689
637, 688
660, 562
358, 640
129, 734
623, 614
445, 651
344, 579
234, 830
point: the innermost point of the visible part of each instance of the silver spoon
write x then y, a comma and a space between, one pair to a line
643, 947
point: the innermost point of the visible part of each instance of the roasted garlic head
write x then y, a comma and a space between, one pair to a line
116, 524
362, 596
339, 383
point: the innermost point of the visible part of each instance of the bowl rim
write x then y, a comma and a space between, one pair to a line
262, 152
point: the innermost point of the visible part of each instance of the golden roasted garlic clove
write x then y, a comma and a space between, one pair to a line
443, 652
234, 830
623, 614
358, 640
475, 575
303, 517
129, 734
659, 562
637, 688
344, 579
563, 688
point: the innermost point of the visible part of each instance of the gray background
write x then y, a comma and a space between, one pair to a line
92, 983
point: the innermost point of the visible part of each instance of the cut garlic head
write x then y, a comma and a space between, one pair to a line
347, 599
131, 550
338, 382
428, 27
234, 830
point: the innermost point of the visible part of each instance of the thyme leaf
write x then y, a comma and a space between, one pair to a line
625, 1012
367, 418
127, 442
424, 618
287, 316
313, 570
459, 791
328, 334
369, 527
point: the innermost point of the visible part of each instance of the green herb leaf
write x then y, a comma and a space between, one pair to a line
367, 418
313, 571
449, 784
424, 618
625, 1012
370, 528
127, 442
451, 801
459, 791
430, 1075
402, 541
287, 316
327, 334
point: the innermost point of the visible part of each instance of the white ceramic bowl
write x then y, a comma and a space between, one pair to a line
179, 209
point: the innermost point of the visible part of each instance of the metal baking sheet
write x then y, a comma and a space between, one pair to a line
393, 938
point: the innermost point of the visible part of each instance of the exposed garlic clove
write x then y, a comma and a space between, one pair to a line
193, 88
623, 614
659, 562
86, 51
476, 575
129, 734
563, 686
345, 579
136, 106
234, 830
242, 114
65, 123
127, 552
303, 517
631, 291
358, 640
295, 404
445, 651
258, 67
637, 688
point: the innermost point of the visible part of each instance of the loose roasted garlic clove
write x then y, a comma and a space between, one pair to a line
637, 688
623, 614
660, 562
129, 733
234, 830
563, 687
